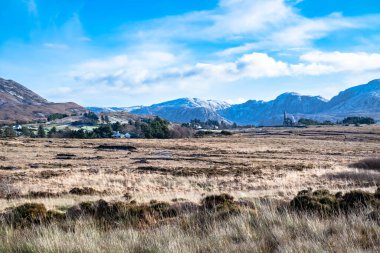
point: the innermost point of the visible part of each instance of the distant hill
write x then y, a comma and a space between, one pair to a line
179, 110
362, 100
19, 104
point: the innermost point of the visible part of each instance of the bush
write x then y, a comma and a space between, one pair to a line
368, 164
7, 190
202, 133
357, 199
177, 131
83, 191
27, 214
325, 203
213, 201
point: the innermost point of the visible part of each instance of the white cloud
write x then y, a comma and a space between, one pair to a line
149, 71
123, 71
56, 45
356, 62
232, 20
256, 24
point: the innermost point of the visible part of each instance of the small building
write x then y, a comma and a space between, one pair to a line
289, 121
127, 135
116, 134
17, 127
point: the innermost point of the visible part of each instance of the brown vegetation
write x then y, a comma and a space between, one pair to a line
72, 196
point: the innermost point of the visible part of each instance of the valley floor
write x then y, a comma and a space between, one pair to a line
267, 163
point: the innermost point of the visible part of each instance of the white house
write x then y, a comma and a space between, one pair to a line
116, 134
17, 127
127, 135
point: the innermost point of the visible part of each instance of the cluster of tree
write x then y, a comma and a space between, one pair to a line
349, 120
103, 131
146, 128
105, 119
10, 132
7, 132
209, 124
311, 122
55, 116
358, 120
156, 128
91, 118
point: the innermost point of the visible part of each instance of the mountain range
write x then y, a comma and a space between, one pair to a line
362, 100
19, 104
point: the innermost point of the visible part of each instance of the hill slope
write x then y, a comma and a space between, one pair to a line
19, 104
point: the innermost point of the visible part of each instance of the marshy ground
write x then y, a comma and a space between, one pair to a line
268, 164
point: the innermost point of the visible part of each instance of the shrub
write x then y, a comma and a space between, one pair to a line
323, 202
83, 191
357, 199
202, 133
224, 204
27, 214
213, 201
7, 190
368, 164
127, 196
164, 209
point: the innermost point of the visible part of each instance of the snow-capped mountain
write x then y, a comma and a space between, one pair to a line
271, 113
113, 109
185, 109
362, 100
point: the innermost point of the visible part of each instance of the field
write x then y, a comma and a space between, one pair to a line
266, 166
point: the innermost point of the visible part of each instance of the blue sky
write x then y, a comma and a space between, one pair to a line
133, 52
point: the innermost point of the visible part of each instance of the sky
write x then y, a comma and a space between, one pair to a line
139, 52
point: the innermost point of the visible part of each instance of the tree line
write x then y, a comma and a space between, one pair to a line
156, 128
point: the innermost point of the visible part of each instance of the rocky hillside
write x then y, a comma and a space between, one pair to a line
19, 104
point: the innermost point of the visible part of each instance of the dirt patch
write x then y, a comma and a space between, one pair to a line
117, 147
63, 156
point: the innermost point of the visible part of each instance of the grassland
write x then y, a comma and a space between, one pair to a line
264, 166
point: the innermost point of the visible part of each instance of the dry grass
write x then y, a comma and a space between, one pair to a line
265, 163
368, 164
268, 231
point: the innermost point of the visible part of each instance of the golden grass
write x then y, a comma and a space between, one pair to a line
265, 163
268, 231
245, 165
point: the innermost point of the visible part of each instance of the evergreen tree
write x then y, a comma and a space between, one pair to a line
9, 132
25, 131
52, 132
41, 132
